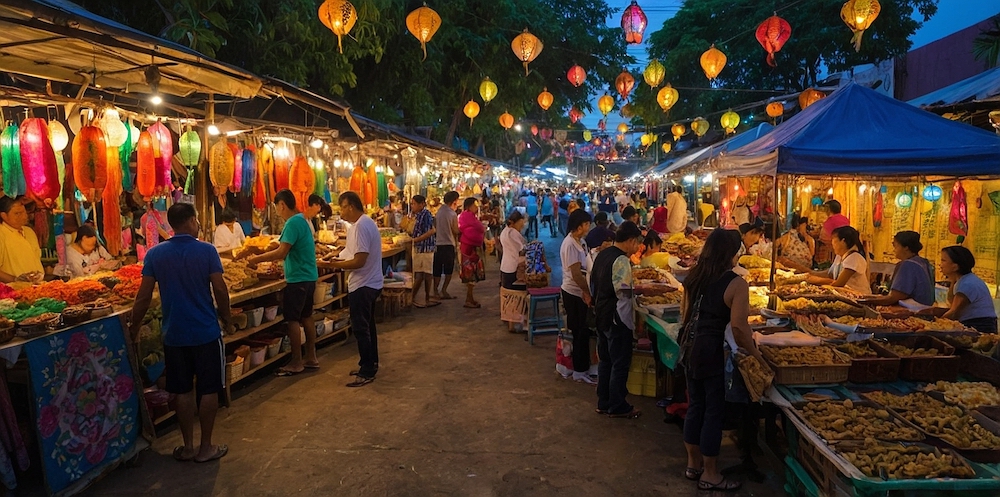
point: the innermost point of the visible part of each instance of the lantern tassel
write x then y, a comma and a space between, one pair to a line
189, 182
339, 45
856, 40
770, 60
525, 68
423, 46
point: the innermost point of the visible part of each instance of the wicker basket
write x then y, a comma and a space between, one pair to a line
883, 368
234, 369
811, 374
925, 368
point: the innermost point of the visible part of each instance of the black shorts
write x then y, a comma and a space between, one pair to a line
444, 260
206, 362
297, 300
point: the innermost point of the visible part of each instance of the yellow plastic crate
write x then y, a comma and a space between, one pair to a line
642, 375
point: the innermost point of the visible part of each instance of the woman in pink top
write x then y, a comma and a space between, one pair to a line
471, 245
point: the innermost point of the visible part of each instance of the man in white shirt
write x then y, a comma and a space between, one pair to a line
677, 215
362, 258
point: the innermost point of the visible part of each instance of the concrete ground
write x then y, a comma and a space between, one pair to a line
460, 407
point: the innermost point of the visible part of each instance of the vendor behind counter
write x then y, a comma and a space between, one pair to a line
20, 254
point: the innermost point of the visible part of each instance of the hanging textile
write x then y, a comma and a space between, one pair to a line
383, 189
10, 151
958, 220
124, 154
112, 224
248, 181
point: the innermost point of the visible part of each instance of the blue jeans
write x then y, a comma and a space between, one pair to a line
614, 348
362, 305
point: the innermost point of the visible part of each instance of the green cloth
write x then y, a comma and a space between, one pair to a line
300, 263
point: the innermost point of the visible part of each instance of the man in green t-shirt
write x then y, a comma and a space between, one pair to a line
298, 250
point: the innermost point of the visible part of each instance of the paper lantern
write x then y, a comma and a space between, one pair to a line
653, 73
605, 104
487, 90
506, 120
699, 126
249, 170
645, 140
371, 186
534, 130
302, 182
338, 16
624, 84
712, 62
633, 23
163, 152
575, 114
678, 130
471, 110
58, 136
112, 221
622, 128
576, 76
775, 109
859, 16
597, 142
38, 161
145, 166
545, 99
237, 183
904, 200
666, 147
124, 153
133, 132
730, 120
932, 193
627, 111
667, 97
90, 162
189, 146
587, 135
265, 176
545, 133
282, 165
423, 23
221, 164
10, 150
809, 97
772, 35
115, 131
526, 47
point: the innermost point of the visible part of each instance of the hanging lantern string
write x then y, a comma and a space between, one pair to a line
754, 28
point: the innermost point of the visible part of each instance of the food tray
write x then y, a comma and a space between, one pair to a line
884, 368
992, 412
925, 368
7, 334
960, 340
842, 447
899, 420
979, 366
810, 374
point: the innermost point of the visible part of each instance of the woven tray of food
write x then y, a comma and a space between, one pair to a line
835, 420
922, 358
870, 364
829, 305
904, 461
806, 365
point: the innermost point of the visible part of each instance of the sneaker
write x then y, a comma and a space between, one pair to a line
584, 378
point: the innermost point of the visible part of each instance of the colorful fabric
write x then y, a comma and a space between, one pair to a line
423, 223
85, 395
534, 255
10, 435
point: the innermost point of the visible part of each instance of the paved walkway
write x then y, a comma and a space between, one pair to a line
461, 407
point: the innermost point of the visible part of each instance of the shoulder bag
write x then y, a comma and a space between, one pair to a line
685, 341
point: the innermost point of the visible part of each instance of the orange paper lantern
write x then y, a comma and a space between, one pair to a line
545, 99
90, 162
809, 97
471, 110
667, 97
423, 23
338, 16
712, 62
302, 182
678, 130
576, 76
145, 166
859, 16
624, 84
775, 109
526, 47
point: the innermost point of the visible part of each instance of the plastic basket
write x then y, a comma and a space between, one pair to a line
270, 313
274, 348
884, 368
257, 356
254, 316
642, 375
926, 368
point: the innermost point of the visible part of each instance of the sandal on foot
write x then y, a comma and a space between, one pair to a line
634, 413
360, 381
179, 454
602, 412
693, 474
286, 372
311, 366
447, 296
723, 486
220, 451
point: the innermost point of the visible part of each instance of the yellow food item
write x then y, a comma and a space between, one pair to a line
943, 324
857, 350
947, 422
807, 306
755, 262
670, 298
967, 394
904, 351
898, 461
813, 325
800, 356
834, 420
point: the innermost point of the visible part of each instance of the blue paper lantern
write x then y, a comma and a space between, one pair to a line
932, 193
816, 201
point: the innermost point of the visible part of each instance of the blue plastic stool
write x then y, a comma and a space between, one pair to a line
544, 325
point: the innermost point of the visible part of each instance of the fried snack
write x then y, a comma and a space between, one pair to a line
756, 375
908, 324
646, 273
967, 394
835, 420
793, 291
943, 324
807, 306
898, 461
947, 422
757, 262
813, 325
858, 350
986, 343
800, 356
236, 274
904, 351
670, 298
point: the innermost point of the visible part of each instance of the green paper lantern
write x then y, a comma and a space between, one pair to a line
189, 146
904, 200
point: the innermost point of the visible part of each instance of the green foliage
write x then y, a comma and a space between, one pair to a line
986, 46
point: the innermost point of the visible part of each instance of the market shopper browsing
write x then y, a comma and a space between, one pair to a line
188, 273
362, 259
424, 244
473, 235
298, 249
574, 257
446, 234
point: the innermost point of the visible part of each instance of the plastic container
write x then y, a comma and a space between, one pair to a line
254, 317
257, 356
274, 348
270, 313
320, 328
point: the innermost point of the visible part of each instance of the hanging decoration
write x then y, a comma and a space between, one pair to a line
730, 120
546, 134
488, 90
575, 114
545, 99
859, 16
932, 193
712, 62
282, 165
301, 181
145, 166
667, 97
526, 47
622, 128
115, 131
624, 83
809, 97
338, 16
471, 110
958, 219
775, 109
58, 135
189, 152
506, 120
627, 111
645, 140
666, 147
605, 104
772, 35
265, 170
587, 135
124, 153
383, 188
654, 73
700, 126
10, 150
534, 130
220, 167
237, 183
111, 198
90, 162
38, 161
371, 187
633, 23
678, 130
163, 152
423, 23
904, 200
576, 75
249, 170
878, 206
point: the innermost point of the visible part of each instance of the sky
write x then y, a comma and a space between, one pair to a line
952, 16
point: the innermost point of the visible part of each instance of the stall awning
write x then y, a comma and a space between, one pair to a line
722, 147
857, 131
983, 86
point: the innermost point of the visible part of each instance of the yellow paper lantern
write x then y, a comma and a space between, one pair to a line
624, 84
605, 104
654, 73
545, 99
115, 131
338, 16
809, 97
506, 120
587, 135
526, 47
775, 109
58, 136
645, 140
859, 16
666, 147
700, 126
667, 97
488, 90
471, 110
678, 130
730, 120
623, 128
712, 62
423, 23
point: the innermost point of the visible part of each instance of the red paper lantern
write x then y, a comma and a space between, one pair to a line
534, 130
38, 161
575, 114
624, 84
772, 35
633, 23
163, 153
90, 162
576, 76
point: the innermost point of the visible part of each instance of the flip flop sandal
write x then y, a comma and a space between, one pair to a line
693, 474
360, 381
419, 305
723, 486
179, 454
471, 306
634, 413
601, 411
433, 303
285, 372
311, 366
220, 451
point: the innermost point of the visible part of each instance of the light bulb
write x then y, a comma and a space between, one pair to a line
336, 163
213, 130
689, 178
517, 127
830, 191
156, 100
316, 143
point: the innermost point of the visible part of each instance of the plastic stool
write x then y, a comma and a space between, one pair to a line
547, 325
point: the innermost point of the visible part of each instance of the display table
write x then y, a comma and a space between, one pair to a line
664, 336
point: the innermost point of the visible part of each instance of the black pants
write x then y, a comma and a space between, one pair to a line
532, 222
362, 305
706, 409
576, 321
982, 325
614, 348
507, 281
552, 226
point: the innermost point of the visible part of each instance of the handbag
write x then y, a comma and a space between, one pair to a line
685, 341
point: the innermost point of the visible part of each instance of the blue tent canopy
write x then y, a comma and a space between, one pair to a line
857, 131
722, 147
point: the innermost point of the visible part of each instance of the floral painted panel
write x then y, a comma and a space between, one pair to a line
86, 400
